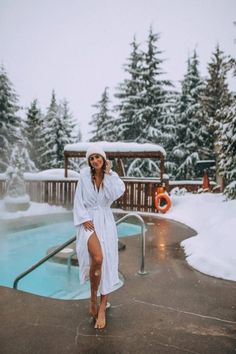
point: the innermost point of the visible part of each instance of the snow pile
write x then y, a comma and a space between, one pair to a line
17, 200
33, 210
3, 176
54, 174
117, 147
212, 251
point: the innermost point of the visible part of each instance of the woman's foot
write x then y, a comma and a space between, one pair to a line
101, 318
93, 311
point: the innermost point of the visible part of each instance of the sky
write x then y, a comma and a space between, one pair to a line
79, 47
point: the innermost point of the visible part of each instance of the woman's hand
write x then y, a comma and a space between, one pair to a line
88, 225
108, 167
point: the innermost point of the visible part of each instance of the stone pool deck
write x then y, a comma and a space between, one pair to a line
172, 309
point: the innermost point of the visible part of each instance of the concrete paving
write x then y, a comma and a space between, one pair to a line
172, 309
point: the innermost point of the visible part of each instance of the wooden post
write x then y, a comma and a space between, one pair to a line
162, 167
66, 164
120, 167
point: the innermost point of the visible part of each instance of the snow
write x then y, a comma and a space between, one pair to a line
3, 176
33, 210
54, 174
117, 147
192, 182
211, 252
17, 200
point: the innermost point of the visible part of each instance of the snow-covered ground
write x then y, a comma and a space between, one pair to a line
212, 251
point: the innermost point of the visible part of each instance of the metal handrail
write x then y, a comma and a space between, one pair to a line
43, 260
67, 243
137, 216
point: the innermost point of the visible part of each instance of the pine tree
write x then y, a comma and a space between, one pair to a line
169, 134
190, 122
20, 160
146, 107
128, 94
33, 132
48, 148
154, 98
102, 121
65, 131
58, 130
9, 120
158, 99
216, 98
227, 156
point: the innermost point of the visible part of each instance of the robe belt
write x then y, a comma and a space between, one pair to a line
98, 207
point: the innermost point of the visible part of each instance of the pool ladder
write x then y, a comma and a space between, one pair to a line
141, 271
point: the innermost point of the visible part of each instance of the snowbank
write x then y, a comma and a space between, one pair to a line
3, 176
17, 200
33, 210
212, 251
54, 174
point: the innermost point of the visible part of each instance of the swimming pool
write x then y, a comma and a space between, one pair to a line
21, 249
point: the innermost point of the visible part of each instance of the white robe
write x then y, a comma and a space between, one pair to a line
93, 204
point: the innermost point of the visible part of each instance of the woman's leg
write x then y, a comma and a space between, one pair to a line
101, 319
95, 252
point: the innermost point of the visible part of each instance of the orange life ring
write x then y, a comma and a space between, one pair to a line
160, 197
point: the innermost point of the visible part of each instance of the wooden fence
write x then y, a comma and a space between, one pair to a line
139, 194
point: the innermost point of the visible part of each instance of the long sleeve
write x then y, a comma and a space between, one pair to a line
80, 212
114, 187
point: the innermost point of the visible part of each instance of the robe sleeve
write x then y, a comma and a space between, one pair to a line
114, 187
80, 212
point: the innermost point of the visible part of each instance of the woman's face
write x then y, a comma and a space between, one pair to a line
96, 161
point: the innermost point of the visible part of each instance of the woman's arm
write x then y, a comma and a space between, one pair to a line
114, 187
80, 212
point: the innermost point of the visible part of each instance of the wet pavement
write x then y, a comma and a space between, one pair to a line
171, 309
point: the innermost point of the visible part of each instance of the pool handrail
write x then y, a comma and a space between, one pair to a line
67, 243
43, 260
139, 218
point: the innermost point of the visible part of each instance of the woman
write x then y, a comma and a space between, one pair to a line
97, 243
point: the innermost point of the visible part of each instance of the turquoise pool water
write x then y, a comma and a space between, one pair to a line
21, 249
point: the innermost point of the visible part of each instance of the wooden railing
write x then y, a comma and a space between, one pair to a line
139, 194
52, 192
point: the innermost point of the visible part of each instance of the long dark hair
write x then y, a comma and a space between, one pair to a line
92, 171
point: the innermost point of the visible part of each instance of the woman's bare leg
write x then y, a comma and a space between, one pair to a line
95, 252
101, 319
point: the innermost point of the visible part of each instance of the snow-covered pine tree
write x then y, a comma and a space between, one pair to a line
190, 122
128, 94
65, 131
155, 116
102, 121
169, 133
59, 129
227, 155
20, 160
48, 148
33, 132
155, 94
9, 120
215, 99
